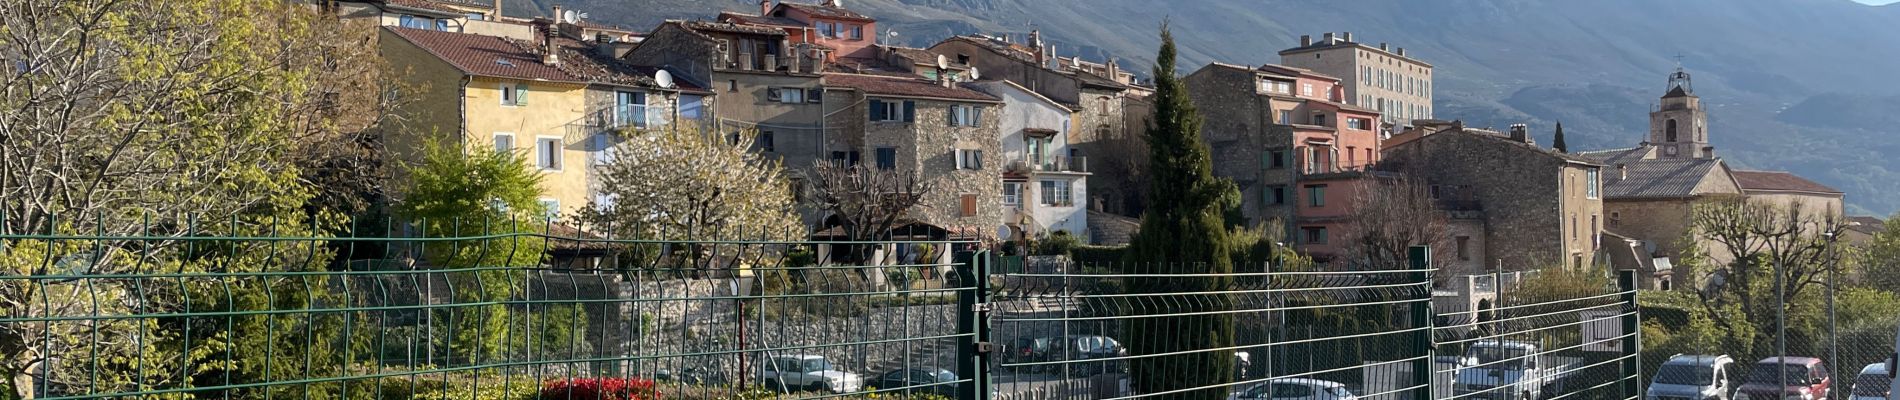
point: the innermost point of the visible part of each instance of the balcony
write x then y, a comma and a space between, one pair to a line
634, 116
1057, 164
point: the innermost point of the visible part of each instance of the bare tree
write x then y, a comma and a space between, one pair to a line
1768, 244
1390, 215
866, 203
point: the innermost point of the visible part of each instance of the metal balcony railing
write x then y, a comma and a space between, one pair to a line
1057, 163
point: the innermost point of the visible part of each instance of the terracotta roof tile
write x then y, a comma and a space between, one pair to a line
483, 55
727, 27
1779, 181
421, 4
751, 19
824, 11
904, 86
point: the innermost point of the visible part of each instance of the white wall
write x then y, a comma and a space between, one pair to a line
1025, 110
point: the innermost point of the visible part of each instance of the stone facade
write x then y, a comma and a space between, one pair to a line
1537, 206
927, 145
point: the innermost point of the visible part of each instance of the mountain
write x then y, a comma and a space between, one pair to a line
1800, 85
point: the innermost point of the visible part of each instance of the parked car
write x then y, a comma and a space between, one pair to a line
940, 382
1067, 348
1512, 369
804, 372
1873, 382
1295, 389
1693, 377
1790, 378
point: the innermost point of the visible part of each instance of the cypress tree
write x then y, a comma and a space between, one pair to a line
1558, 143
1182, 232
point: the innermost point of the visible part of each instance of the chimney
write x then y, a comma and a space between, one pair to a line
1622, 171
1348, 36
765, 7
1305, 40
557, 15
497, 15
1708, 152
1329, 38
834, 3
551, 54
1035, 40
1520, 133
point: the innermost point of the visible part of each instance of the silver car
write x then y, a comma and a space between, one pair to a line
1295, 389
1693, 377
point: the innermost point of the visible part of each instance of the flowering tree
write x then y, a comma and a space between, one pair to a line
679, 183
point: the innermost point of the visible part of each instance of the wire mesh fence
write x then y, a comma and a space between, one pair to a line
1577, 340
243, 310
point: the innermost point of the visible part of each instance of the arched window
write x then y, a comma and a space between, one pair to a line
1669, 131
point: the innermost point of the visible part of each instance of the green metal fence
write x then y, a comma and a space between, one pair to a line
264, 310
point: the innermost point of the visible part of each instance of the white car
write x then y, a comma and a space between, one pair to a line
1873, 382
811, 373
1295, 389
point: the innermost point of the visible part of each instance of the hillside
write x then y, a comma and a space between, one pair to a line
1771, 70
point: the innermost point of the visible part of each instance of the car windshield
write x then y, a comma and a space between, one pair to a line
1494, 357
1872, 385
1339, 392
816, 364
1685, 375
1765, 373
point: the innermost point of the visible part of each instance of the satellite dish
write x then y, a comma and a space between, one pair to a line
942, 63
570, 16
663, 78
975, 75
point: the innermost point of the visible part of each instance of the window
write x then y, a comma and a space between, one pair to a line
514, 94
442, 25
1286, 117
548, 153
1590, 183
477, 16
732, 85
786, 95
1306, 89
882, 110
965, 115
970, 159
1314, 234
1464, 248
1276, 159
845, 158
415, 22
692, 106
1616, 219
630, 109
766, 142
968, 201
1358, 123
857, 32
1352, 156
1319, 119
1012, 193
1669, 130
1056, 193
1316, 195
1275, 195
1595, 236
552, 207
1573, 226
886, 158
504, 142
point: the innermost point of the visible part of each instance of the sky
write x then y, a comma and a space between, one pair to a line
1877, 2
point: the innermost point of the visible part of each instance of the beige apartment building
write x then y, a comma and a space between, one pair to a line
1379, 77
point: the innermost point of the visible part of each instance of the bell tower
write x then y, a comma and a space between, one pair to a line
1679, 128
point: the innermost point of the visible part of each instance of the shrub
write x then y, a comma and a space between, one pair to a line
1106, 258
1057, 244
599, 389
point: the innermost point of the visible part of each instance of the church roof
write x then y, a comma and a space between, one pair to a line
1633, 175
1677, 91
1779, 181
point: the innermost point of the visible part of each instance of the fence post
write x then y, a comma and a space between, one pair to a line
1422, 369
973, 325
1632, 335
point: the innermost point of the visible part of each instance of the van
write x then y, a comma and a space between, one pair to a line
1872, 382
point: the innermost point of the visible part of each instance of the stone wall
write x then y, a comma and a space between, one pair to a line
1521, 189
928, 146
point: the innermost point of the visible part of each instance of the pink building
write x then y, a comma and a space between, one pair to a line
846, 33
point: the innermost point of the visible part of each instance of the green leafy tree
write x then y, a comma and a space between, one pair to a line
1879, 259
1182, 232
458, 193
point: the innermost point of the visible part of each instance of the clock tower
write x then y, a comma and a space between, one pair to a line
1679, 128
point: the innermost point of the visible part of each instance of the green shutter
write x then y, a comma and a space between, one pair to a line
521, 94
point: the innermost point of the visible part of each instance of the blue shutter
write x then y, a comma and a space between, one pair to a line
877, 110
910, 111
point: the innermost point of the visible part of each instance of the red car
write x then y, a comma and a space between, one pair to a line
1789, 378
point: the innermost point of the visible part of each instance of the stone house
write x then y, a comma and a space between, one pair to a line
1535, 207
934, 128
1043, 187
1277, 133
1100, 105
461, 16
765, 83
